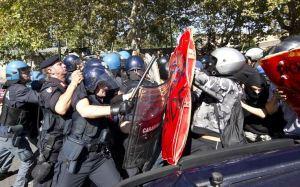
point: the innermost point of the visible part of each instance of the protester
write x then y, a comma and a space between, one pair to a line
219, 108
278, 95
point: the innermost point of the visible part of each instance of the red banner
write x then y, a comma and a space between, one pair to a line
283, 69
178, 111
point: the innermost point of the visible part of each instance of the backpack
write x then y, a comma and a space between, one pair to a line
233, 133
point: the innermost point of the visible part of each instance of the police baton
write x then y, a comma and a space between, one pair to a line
153, 59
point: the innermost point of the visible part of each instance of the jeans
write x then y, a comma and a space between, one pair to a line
6, 158
23, 152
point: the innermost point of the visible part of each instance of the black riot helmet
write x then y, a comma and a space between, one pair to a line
287, 44
93, 62
71, 62
163, 67
162, 60
97, 75
135, 63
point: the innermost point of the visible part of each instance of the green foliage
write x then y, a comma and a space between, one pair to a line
29, 25
287, 14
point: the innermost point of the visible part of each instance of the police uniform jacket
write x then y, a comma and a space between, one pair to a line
17, 104
53, 124
88, 131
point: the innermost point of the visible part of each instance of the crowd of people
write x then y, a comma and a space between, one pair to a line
77, 112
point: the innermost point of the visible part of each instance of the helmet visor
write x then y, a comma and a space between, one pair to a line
108, 81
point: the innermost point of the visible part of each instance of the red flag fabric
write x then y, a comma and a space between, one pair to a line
283, 69
178, 111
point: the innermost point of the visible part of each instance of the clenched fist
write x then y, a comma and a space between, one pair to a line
76, 77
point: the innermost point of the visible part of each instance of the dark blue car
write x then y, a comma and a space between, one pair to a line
272, 163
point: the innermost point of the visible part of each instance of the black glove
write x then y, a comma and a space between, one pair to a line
114, 109
126, 107
122, 108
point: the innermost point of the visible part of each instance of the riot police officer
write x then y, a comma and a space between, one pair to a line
113, 62
86, 151
55, 102
124, 56
72, 63
15, 119
135, 68
220, 99
112, 92
37, 80
163, 68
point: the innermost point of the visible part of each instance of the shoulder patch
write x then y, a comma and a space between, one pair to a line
49, 90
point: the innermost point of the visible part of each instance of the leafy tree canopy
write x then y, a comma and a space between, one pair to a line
29, 25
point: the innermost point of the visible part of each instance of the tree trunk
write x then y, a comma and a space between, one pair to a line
133, 34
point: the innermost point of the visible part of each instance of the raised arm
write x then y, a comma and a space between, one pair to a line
64, 100
262, 113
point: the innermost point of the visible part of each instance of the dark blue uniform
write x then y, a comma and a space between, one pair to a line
15, 121
86, 150
52, 131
